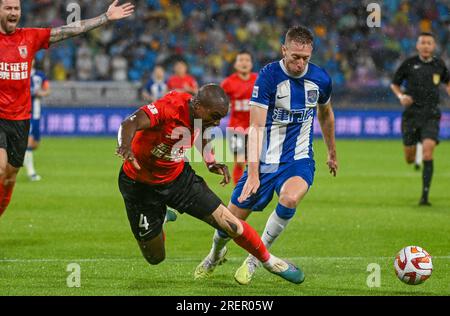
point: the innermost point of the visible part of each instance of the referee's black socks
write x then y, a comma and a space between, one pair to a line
426, 177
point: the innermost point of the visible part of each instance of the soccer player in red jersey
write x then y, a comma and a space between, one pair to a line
152, 143
17, 49
181, 80
239, 87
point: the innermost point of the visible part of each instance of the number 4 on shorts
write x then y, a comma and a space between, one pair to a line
143, 222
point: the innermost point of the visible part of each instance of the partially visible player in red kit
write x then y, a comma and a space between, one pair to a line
155, 174
181, 80
17, 49
239, 88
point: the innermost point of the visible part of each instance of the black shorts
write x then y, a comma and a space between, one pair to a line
146, 204
414, 131
14, 139
238, 143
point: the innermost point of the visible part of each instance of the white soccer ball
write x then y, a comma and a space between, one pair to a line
413, 265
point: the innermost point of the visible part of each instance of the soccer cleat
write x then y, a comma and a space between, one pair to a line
35, 177
244, 274
416, 166
288, 271
206, 267
424, 202
171, 215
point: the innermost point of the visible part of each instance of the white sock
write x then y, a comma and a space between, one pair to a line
28, 163
419, 154
218, 244
274, 227
275, 264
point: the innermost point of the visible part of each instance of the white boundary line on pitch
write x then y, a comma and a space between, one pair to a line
191, 259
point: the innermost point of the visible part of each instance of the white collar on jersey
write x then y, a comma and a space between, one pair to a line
287, 73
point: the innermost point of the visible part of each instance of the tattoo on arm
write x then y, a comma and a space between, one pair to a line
233, 226
63, 32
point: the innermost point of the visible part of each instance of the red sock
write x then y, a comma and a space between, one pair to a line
5, 196
250, 241
238, 171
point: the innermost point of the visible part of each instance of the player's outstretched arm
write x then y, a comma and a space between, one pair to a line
137, 121
326, 120
115, 12
258, 118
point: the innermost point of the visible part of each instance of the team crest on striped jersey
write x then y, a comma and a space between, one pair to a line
312, 96
23, 51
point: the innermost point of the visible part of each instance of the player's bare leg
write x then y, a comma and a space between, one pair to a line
410, 154
246, 237
153, 250
218, 250
291, 193
8, 175
427, 174
419, 156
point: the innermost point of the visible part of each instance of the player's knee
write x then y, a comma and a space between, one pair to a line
427, 155
2, 173
289, 200
155, 259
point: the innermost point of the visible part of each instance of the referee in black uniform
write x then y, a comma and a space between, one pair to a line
421, 75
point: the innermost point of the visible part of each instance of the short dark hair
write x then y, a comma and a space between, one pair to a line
421, 34
212, 95
300, 34
243, 52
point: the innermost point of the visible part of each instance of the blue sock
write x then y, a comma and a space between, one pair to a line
222, 234
284, 212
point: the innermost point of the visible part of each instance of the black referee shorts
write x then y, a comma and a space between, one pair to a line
14, 139
414, 131
146, 204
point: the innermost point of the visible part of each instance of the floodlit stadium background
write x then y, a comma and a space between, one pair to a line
100, 75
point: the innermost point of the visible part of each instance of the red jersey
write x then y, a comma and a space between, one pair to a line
179, 83
160, 149
240, 92
17, 52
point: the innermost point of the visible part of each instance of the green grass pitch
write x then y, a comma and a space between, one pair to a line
364, 215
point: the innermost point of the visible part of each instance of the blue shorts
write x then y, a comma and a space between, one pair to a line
271, 180
35, 130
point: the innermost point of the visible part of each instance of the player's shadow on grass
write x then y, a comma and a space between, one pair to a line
179, 285
23, 242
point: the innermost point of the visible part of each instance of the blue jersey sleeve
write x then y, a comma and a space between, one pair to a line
148, 86
325, 90
262, 89
43, 76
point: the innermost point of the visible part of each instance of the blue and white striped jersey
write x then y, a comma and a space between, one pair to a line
38, 79
291, 103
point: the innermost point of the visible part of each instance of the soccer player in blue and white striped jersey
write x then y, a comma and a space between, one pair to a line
287, 96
